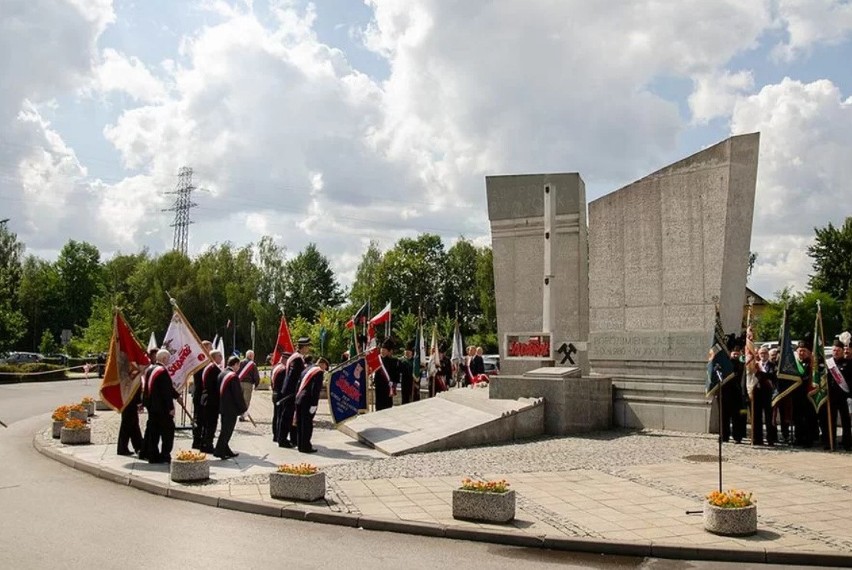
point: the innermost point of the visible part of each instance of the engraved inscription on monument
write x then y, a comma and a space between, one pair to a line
656, 346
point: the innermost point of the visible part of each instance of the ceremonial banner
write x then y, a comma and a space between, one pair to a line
187, 354
720, 369
284, 343
457, 352
359, 318
152, 343
750, 357
347, 390
382, 316
373, 359
819, 376
788, 371
125, 365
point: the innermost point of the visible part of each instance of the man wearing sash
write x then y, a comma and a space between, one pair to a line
249, 379
837, 400
804, 415
209, 401
287, 434
279, 373
386, 377
307, 400
231, 405
197, 415
406, 374
158, 397
762, 394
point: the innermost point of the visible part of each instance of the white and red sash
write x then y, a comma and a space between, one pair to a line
306, 379
244, 372
158, 370
292, 359
229, 377
206, 370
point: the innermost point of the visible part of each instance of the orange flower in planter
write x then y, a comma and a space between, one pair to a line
76, 408
60, 414
731, 499
300, 469
500, 486
75, 424
189, 455
87, 400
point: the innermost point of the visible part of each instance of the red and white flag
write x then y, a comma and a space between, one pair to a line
125, 364
187, 354
383, 316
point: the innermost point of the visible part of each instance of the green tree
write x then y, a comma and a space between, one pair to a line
411, 275
310, 285
39, 299
48, 343
485, 292
266, 308
801, 314
404, 328
12, 322
460, 287
363, 289
832, 255
172, 272
80, 280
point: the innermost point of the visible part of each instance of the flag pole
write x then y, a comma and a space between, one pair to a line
749, 346
721, 426
827, 385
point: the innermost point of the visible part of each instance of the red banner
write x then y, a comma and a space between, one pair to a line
124, 367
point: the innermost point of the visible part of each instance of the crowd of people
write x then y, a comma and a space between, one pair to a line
775, 405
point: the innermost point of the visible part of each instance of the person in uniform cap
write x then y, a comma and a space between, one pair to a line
296, 364
231, 405
804, 415
762, 395
279, 373
733, 421
386, 377
249, 379
307, 400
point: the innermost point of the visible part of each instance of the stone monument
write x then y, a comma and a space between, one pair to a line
539, 240
661, 250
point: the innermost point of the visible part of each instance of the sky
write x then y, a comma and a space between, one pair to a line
339, 122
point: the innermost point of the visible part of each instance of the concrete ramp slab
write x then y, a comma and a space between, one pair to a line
455, 419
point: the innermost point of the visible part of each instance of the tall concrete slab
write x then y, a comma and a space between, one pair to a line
661, 249
517, 211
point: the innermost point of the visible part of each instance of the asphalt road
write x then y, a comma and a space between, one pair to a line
53, 516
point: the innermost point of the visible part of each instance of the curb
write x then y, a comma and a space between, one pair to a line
506, 537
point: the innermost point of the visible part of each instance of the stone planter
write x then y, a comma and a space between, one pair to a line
82, 416
75, 436
101, 406
730, 522
297, 487
57, 428
90, 409
184, 471
488, 507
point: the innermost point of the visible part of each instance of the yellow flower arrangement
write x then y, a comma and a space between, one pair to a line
189, 455
500, 486
300, 469
731, 499
88, 400
75, 424
60, 414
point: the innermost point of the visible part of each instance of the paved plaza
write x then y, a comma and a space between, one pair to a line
618, 487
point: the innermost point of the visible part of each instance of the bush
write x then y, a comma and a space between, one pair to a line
25, 372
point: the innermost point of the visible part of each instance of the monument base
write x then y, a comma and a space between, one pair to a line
669, 403
572, 403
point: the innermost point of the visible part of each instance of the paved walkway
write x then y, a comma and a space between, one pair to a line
621, 492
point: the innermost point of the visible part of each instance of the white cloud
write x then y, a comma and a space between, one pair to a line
716, 93
117, 72
804, 172
812, 22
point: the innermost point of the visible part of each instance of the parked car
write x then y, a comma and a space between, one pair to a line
23, 357
58, 358
492, 364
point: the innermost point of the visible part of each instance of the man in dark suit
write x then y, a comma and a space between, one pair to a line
210, 400
406, 374
249, 379
231, 405
129, 431
386, 378
837, 402
197, 415
296, 364
279, 374
159, 399
307, 400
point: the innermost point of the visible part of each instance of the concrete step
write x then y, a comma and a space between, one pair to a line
459, 418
